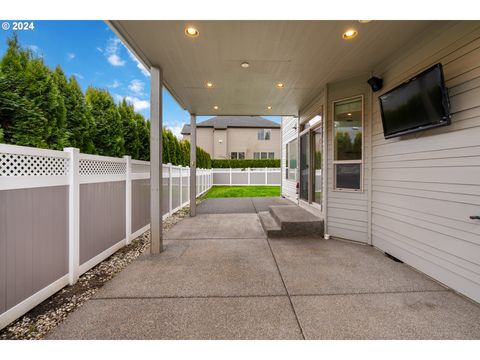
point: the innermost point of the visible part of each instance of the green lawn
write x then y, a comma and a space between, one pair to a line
242, 191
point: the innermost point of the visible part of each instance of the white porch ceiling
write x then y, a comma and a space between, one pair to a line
304, 55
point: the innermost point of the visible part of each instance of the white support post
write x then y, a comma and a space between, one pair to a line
156, 155
170, 188
230, 176
193, 165
73, 216
128, 199
266, 176
248, 175
180, 169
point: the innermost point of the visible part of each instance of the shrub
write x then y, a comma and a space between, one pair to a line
252, 163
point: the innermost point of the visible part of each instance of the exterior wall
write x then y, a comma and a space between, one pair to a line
347, 211
33, 241
236, 140
289, 133
246, 140
426, 185
220, 149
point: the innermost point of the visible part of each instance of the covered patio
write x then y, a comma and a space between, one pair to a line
220, 277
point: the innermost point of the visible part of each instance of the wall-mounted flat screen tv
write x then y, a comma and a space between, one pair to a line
418, 104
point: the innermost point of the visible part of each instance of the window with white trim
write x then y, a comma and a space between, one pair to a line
348, 144
237, 155
264, 134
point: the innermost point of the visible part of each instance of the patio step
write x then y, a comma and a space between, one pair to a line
291, 221
272, 229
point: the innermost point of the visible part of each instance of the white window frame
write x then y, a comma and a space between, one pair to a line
362, 160
264, 131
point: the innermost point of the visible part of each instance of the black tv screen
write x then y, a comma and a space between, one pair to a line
418, 104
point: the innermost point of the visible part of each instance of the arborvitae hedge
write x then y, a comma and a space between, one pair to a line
247, 163
39, 107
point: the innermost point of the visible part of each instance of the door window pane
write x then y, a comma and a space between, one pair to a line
304, 165
317, 165
292, 151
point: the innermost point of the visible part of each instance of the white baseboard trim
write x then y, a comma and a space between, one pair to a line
29, 303
100, 257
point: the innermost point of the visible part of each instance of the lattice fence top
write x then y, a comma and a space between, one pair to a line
102, 167
32, 165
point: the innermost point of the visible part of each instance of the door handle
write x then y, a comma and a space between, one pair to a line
475, 217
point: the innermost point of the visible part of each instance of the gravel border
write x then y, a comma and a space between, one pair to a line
36, 323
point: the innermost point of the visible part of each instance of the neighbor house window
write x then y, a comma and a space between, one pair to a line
347, 144
256, 155
237, 155
264, 134
271, 155
291, 157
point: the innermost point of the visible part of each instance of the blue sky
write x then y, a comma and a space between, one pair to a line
90, 51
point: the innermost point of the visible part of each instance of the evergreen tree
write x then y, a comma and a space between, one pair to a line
143, 128
1, 135
130, 130
108, 139
80, 126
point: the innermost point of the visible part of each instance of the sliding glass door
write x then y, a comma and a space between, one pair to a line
311, 156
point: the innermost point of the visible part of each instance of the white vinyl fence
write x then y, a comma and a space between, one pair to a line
63, 212
247, 176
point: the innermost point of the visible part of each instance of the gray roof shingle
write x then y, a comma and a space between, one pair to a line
224, 122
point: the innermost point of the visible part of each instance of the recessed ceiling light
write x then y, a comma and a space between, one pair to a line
280, 85
245, 65
215, 107
349, 114
209, 85
269, 108
364, 21
350, 34
191, 31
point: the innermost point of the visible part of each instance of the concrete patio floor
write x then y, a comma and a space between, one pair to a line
221, 278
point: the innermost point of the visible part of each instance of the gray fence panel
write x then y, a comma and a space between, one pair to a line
164, 195
221, 178
175, 192
140, 204
33, 241
240, 178
257, 178
102, 217
274, 178
185, 186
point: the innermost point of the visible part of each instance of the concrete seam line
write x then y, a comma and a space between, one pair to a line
373, 293
189, 297
285, 286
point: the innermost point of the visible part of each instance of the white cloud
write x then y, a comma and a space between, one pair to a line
115, 84
112, 51
115, 60
70, 56
35, 50
139, 64
77, 75
176, 130
136, 86
138, 104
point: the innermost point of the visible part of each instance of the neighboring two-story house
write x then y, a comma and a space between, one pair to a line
238, 137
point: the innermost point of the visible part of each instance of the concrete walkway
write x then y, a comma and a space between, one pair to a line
221, 278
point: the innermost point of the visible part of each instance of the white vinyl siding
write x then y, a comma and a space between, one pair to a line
426, 185
289, 133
